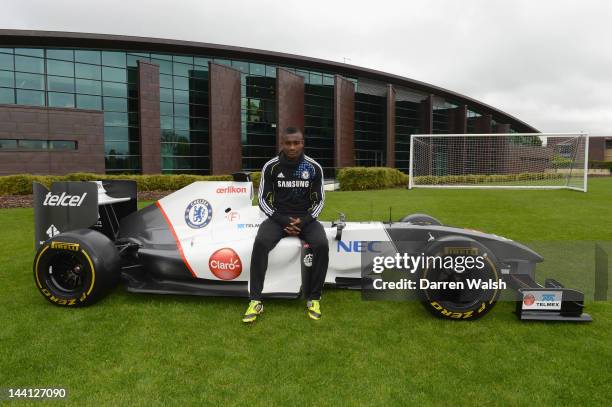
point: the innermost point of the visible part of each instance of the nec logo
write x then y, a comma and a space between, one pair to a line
64, 200
231, 190
357, 246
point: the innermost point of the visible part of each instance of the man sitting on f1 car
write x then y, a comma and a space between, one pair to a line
291, 194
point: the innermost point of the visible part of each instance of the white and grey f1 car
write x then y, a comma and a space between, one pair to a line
198, 241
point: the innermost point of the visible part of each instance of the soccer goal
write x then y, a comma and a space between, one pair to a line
513, 160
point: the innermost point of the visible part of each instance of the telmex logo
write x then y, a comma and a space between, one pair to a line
549, 297
64, 200
357, 246
225, 264
231, 190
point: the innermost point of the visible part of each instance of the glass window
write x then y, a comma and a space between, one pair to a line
181, 123
60, 84
166, 122
121, 148
181, 69
61, 68
181, 96
89, 87
61, 99
7, 78
270, 71
114, 74
7, 96
132, 60
181, 110
241, 66
165, 109
328, 80
181, 82
87, 71
114, 89
89, 57
34, 52
200, 73
162, 56
221, 61
28, 64
115, 119
183, 59
6, 62
165, 81
62, 145
121, 134
62, 54
112, 58
32, 144
6, 144
165, 95
29, 81
89, 102
132, 75
7, 50
164, 66
115, 104
257, 69
316, 78
201, 61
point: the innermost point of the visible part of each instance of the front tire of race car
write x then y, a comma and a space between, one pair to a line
76, 268
460, 304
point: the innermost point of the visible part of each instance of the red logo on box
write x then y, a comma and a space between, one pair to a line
225, 264
528, 300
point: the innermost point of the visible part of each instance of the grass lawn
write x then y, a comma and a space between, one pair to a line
147, 349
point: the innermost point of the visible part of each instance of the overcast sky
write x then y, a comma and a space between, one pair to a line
547, 62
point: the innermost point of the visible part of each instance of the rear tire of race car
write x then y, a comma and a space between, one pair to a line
76, 268
466, 304
421, 219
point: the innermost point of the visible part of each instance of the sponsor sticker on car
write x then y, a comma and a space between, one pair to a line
542, 300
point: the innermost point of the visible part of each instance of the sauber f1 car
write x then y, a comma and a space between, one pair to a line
198, 241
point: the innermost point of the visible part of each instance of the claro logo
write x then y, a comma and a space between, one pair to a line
64, 200
225, 264
231, 190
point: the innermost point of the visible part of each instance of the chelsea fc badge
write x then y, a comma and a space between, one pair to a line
198, 214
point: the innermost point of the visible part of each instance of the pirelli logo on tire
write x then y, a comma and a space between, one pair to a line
73, 247
461, 251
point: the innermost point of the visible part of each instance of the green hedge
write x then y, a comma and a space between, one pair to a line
362, 178
22, 184
601, 165
483, 179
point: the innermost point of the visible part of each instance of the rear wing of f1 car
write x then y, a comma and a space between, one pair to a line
99, 205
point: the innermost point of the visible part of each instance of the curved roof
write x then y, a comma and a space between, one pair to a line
141, 44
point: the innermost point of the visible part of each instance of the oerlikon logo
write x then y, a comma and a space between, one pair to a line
225, 264
231, 190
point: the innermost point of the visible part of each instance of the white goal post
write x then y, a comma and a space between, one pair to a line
499, 160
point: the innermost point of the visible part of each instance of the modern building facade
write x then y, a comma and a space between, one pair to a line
116, 104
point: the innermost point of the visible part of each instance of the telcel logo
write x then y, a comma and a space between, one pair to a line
225, 264
231, 190
357, 246
64, 200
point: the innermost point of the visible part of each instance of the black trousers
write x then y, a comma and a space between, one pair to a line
268, 236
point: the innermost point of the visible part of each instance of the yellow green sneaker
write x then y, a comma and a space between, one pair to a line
314, 309
255, 308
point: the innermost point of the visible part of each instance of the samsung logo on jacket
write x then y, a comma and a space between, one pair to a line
293, 184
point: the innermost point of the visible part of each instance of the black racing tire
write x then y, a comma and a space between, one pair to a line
421, 219
76, 268
467, 304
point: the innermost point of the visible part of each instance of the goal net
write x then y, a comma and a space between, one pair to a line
514, 160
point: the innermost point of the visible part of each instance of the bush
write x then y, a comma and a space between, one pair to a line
362, 178
22, 184
482, 179
601, 165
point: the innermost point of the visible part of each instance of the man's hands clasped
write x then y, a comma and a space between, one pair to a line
293, 229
